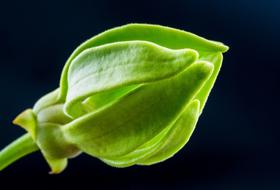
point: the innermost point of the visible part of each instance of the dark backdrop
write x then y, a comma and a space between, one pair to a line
236, 142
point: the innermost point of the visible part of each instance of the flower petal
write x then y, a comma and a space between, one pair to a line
164, 145
161, 35
119, 64
138, 116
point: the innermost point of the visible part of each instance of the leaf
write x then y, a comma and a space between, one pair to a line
138, 116
119, 64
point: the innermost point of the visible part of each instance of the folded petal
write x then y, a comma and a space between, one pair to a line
163, 36
164, 145
138, 116
177, 137
119, 64
216, 59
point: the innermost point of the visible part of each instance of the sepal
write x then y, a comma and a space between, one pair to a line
27, 120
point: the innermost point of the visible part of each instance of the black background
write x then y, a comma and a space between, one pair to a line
236, 142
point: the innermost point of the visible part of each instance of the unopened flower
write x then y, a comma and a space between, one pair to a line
130, 95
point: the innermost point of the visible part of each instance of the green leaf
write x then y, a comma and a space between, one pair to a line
119, 64
138, 116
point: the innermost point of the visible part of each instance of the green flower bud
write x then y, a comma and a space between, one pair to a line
130, 95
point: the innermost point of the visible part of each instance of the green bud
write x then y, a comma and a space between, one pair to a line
130, 95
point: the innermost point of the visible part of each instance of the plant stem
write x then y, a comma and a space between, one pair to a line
23, 146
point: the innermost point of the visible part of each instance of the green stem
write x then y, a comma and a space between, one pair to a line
17, 149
